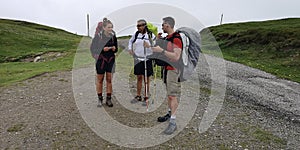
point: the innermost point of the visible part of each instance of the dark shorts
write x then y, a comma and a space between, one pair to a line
139, 68
103, 66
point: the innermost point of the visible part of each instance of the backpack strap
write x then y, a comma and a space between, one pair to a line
100, 33
175, 35
113, 36
149, 35
150, 38
171, 39
135, 36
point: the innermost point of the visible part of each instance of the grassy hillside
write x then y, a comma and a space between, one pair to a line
272, 46
20, 40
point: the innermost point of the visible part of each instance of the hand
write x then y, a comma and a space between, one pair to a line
157, 49
96, 56
113, 48
106, 49
130, 52
146, 44
159, 35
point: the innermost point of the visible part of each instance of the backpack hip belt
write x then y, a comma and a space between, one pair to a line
104, 59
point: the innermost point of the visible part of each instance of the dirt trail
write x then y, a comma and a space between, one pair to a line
43, 113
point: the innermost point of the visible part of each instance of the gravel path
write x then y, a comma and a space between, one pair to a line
58, 111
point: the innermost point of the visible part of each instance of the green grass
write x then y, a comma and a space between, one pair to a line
272, 46
263, 135
83, 55
19, 40
17, 71
268, 137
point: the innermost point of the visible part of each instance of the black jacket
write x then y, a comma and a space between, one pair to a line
100, 41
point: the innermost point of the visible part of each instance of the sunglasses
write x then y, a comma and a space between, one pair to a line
163, 24
139, 25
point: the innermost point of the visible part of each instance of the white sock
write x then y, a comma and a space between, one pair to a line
169, 111
173, 119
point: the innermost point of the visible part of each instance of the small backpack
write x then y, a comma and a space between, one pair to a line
99, 28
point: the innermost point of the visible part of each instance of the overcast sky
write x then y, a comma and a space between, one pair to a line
70, 15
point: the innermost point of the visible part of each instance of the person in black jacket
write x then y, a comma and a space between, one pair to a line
103, 48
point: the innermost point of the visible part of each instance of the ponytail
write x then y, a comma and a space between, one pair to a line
106, 22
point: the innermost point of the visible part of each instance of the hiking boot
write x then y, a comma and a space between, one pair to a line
172, 127
100, 101
108, 101
164, 118
136, 99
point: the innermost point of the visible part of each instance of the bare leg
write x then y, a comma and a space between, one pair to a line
173, 104
148, 86
139, 84
108, 82
99, 83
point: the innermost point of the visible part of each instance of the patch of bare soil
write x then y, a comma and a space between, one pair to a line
40, 113
49, 56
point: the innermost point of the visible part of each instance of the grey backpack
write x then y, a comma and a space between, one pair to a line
190, 52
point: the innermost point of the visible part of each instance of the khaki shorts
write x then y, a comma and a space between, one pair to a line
172, 85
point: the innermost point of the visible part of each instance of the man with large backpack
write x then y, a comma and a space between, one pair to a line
142, 64
172, 52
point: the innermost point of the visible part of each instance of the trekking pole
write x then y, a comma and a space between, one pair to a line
154, 92
145, 76
151, 45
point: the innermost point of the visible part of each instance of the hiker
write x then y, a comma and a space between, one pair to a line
143, 35
172, 52
104, 46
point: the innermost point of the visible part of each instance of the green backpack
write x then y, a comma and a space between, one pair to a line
152, 28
